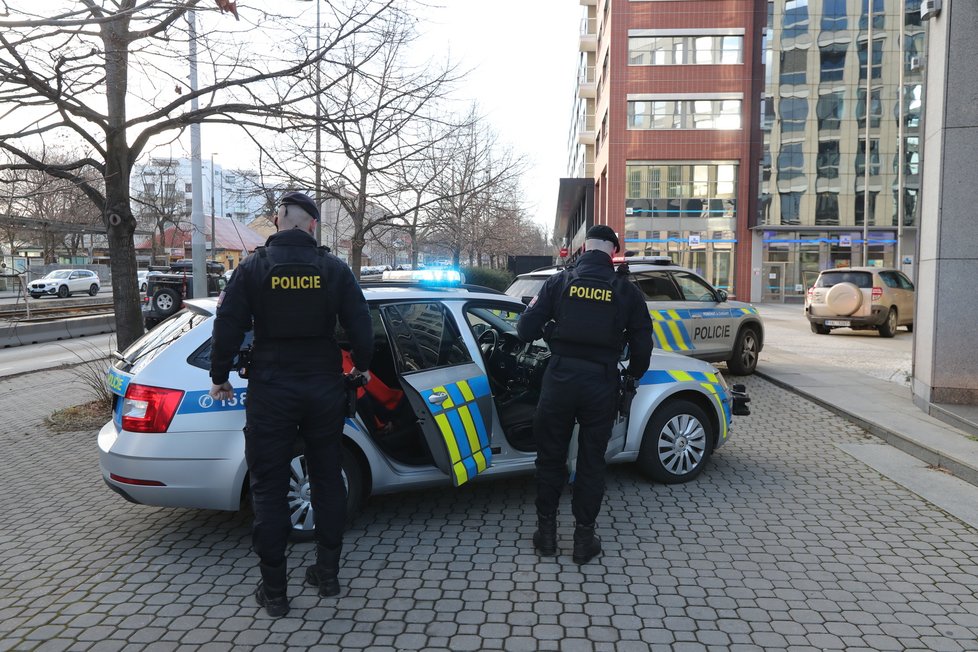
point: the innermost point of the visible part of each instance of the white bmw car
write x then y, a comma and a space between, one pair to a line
470, 390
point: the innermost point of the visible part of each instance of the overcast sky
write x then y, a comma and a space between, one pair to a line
523, 59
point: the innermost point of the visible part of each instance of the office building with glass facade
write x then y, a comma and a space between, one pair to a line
841, 128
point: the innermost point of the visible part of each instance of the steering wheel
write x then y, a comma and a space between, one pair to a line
488, 341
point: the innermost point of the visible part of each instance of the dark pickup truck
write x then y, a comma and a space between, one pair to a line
166, 292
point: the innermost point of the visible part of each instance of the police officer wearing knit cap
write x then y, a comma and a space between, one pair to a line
292, 293
587, 313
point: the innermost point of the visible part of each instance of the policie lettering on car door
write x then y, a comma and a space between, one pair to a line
448, 391
687, 315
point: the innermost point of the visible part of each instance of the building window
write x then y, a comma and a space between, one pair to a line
795, 20
874, 158
794, 113
685, 50
149, 188
875, 108
877, 59
912, 104
684, 114
878, 15
794, 64
860, 207
791, 207
829, 111
833, 62
791, 161
827, 209
912, 15
188, 187
681, 191
828, 160
834, 16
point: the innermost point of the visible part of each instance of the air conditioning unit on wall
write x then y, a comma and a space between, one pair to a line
929, 9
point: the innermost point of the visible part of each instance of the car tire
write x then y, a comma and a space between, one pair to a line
843, 299
677, 443
63, 292
889, 326
820, 329
746, 349
300, 505
166, 301
92, 290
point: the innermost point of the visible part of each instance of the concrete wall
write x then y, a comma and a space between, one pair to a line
945, 351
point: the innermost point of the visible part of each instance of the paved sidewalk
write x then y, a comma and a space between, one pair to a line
882, 408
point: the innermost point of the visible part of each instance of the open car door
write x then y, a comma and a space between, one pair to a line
448, 391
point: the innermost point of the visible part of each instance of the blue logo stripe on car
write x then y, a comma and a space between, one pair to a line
201, 401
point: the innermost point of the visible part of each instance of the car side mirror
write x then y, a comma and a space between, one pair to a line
723, 295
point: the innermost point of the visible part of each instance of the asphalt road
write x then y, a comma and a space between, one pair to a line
786, 328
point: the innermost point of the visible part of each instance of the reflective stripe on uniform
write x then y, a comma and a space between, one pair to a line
462, 427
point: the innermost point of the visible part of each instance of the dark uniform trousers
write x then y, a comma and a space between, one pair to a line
283, 405
574, 389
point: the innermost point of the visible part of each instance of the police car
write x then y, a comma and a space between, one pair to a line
468, 390
689, 316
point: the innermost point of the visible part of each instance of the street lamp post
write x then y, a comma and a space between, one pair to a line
213, 225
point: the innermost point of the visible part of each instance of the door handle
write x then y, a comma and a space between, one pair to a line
437, 398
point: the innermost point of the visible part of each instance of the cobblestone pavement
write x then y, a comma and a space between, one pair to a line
785, 542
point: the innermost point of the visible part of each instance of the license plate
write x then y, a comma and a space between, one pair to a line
836, 322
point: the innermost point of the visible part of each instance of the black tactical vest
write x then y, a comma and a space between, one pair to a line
588, 313
293, 300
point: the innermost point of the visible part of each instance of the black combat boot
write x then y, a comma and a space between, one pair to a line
324, 573
272, 590
587, 546
545, 538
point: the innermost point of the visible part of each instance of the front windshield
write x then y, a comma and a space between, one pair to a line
526, 287
61, 273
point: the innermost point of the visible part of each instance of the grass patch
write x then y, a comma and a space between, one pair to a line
87, 416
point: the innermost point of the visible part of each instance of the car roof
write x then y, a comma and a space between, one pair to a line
634, 265
393, 291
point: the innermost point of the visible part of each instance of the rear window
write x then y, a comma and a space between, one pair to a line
859, 279
526, 287
157, 339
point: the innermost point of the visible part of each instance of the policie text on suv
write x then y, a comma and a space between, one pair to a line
689, 316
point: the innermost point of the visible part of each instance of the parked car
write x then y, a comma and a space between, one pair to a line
165, 292
142, 277
860, 298
470, 393
65, 282
689, 316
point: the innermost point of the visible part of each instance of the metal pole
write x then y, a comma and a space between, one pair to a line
866, 154
213, 225
319, 110
901, 152
198, 244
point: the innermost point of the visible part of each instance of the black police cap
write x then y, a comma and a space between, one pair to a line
603, 232
301, 200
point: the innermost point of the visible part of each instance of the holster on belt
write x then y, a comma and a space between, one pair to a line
352, 384
626, 392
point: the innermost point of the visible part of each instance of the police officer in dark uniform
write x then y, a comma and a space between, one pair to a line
292, 293
587, 313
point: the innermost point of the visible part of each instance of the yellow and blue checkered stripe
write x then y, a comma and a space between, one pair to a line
708, 381
463, 428
669, 332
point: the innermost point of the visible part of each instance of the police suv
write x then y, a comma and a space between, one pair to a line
689, 316
460, 394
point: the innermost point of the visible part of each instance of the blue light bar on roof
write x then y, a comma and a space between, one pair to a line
440, 277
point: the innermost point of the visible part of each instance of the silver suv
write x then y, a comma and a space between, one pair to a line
860, 298
689, 316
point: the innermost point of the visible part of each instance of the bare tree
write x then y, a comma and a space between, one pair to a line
99, 72
159, 203
367, 120
475, 167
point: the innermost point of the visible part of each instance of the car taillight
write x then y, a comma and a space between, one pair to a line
811, 292
877, 293
149, 409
